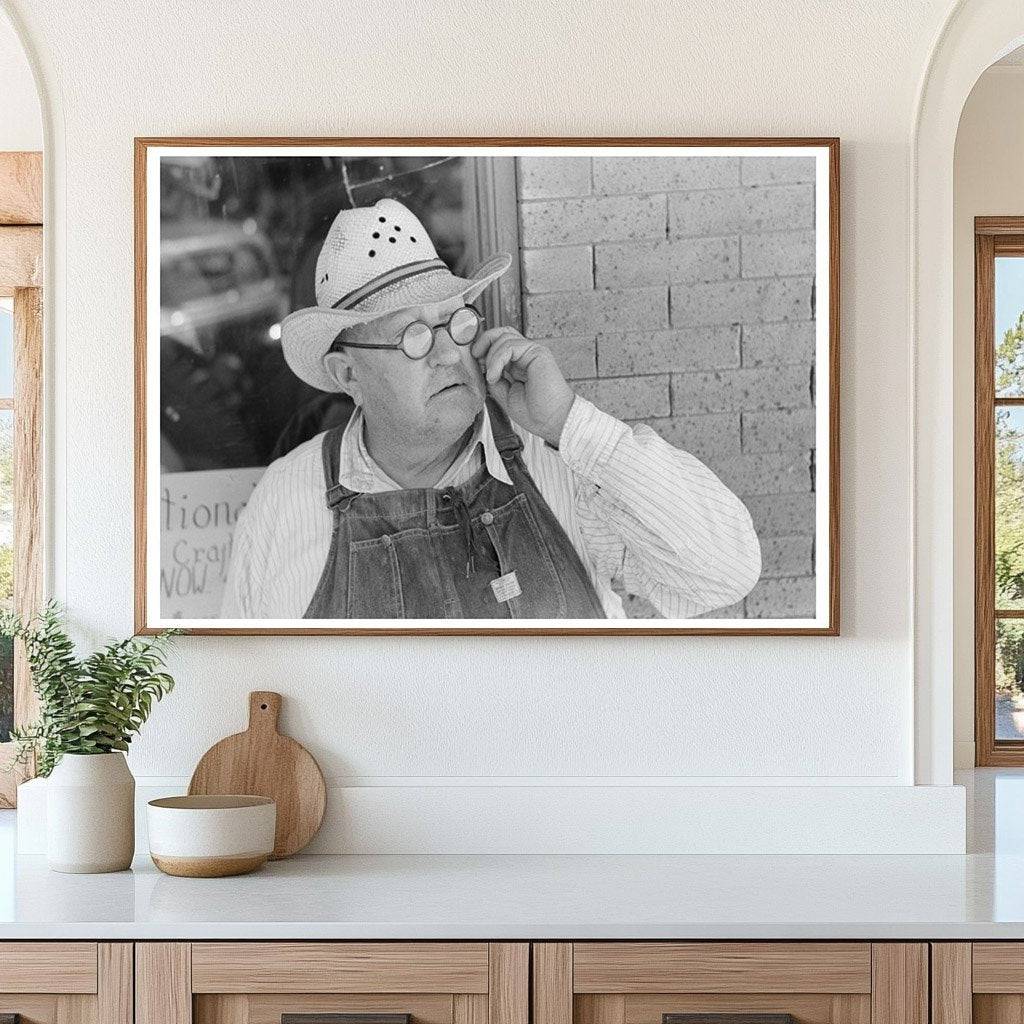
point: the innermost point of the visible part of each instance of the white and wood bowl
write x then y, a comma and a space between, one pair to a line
211, 836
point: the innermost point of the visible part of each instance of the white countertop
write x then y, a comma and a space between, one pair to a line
977, 896
532, 897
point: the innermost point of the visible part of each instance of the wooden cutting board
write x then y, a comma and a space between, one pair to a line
262, 762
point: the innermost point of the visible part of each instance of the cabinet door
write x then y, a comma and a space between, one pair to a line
315, 982
981, 982
737, 982
66, 982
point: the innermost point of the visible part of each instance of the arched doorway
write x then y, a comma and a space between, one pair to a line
977, 33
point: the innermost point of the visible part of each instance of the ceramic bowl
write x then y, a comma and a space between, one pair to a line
211, 836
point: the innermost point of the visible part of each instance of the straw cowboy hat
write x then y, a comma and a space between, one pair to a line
375, 261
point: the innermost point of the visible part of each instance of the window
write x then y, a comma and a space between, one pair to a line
999, 490
20, 423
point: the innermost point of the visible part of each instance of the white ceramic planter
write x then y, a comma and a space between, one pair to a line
90, 814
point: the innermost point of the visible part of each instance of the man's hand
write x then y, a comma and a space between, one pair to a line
525, 379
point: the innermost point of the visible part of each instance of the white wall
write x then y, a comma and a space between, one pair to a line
394, 712
21, 125
988, 180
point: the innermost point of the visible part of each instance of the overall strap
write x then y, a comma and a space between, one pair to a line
506, 440
336, 496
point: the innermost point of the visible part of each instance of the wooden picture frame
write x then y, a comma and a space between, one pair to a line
825, 489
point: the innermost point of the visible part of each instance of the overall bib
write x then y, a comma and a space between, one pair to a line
424, 553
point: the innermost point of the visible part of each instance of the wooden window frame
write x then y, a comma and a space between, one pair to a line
993, 236
21, 270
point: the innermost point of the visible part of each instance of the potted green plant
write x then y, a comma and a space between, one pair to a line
89, 710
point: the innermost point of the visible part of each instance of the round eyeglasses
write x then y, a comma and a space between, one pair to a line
417, 339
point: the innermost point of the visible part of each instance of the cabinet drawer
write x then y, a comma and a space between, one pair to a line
262, 982
737, 982
339, 967
998, 967
630, 967
48, 967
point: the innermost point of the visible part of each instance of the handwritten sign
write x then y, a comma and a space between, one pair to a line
198, 512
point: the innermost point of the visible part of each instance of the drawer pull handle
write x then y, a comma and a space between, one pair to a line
342, 1018
728, 1018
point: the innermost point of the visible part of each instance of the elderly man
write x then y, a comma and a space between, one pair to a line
470, 482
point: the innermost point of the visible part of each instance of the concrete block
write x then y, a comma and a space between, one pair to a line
547, 177
776, 430
777, 170
627, 398
787, 556
618, 265
557, 313
692, 348
781, 515
740, 302
705, 437
741, 210
576, 355
561, 269
778, 343
774, 473
770, 387
591, 219
777, 254
614, 174
782, 599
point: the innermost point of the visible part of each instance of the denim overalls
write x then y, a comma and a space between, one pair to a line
483, 550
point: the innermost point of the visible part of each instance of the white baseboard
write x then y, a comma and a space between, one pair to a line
600, 819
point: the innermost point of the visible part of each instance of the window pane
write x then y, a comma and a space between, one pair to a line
1009, 326
6, 567
1009, 679
6, 348
1009, 524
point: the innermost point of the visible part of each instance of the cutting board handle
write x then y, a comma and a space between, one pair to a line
264, 709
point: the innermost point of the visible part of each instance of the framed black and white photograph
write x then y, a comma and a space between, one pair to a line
487, 386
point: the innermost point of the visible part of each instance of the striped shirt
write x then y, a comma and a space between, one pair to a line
640, 513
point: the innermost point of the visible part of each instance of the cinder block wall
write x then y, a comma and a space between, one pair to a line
680, 293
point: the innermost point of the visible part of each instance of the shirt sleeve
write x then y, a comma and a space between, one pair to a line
656, 517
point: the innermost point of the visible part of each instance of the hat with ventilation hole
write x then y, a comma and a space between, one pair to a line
376, 260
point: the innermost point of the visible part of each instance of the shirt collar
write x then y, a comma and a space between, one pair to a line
359, 472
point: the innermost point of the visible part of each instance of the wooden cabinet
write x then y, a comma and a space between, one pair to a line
981, 982
494, 983
66, 982
260, 982
649, 982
